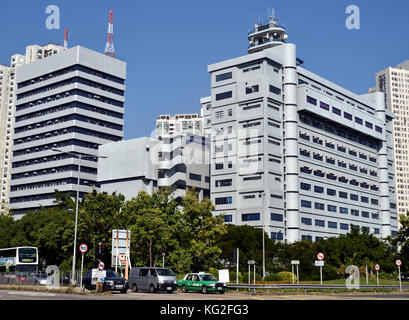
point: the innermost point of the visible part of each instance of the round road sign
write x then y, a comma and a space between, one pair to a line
398, 263
101, 266
320, 256
377, 267
83, 248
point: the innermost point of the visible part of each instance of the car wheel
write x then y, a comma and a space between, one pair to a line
151, 289
184, 290
124, 290
204, 289
134, 288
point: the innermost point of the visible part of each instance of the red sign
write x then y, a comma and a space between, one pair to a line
320, 256
101, 266
398, 263
83, 248
377, 267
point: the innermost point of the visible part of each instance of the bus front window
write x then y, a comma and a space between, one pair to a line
27, 255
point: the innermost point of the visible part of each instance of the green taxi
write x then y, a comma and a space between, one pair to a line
204, 282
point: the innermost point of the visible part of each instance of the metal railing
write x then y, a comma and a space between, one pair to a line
314, 286
30, 278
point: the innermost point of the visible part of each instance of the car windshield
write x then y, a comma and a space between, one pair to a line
111, 273
165, 272
207, 277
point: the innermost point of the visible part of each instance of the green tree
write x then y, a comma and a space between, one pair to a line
401, 240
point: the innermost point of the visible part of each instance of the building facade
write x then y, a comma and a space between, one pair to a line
394, 82
72, 101
179, 161
8, 104
167, 125
294, 153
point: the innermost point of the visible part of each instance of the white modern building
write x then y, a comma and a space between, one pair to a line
394, 82
179, 161
168, 125
72, 101
294, 153
8, 88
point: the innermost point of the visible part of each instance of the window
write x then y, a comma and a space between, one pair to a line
219, 114
355, 212
344, 226
320, 223
353, 197
343, 195
196, 177
252, 178
365, 199
224, 76
306, 221
347, 116
376, 230
331, 208
275, 89
305, 186
277, 236
324, 105
378, 129
332, 225
368, 125
365, 214
276, 217
343, 210
224, 200
319, 206
358, 120
374, 201
312, 100
336, 111
252, 89
219, 166
250, 217
224, 95
331, 192
318, 189
223, 183
228, 218
304, 237
305, 204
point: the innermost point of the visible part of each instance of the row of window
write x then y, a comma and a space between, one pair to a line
347, 115
334, 177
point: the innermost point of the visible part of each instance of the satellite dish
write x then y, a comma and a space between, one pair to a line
285, 37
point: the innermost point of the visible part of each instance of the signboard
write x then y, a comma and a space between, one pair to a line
97, 275
121, 240
319, 263
224, 275
251, 262
295, 262
377, 267
83, 248
7, 261
398, 263
320, 256
101, 266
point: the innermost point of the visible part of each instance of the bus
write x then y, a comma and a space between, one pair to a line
19, 259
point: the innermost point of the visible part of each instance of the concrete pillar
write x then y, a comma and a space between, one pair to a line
383, 179
291, 143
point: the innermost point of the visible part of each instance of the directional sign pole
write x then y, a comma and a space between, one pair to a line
255, 276
400, 280
292, 271
298, 279
377, 277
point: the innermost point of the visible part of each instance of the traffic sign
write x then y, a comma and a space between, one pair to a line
295, 262
83, 248
101, 266
101, 280
398, 263
377, 267
319, 263
320, 256
251, 262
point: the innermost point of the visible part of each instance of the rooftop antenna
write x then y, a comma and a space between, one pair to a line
109, 49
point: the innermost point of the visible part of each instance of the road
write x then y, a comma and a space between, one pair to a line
30, 295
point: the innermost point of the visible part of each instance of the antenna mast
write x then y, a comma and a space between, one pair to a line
66, 38
109, 49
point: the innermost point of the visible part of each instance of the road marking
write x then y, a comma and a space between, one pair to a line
27, 293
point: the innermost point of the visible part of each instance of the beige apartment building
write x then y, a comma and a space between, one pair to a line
394, 82
8, 88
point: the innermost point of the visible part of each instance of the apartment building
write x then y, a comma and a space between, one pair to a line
72, 102
179, 161
294, 153
167, 124
8, 105
394, 82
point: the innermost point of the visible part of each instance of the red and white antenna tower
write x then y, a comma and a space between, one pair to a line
66, 38
109, 49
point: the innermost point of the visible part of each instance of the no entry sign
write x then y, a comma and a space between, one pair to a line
398, 263
320, 256
101, 266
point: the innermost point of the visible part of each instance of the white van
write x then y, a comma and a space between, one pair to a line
152, 279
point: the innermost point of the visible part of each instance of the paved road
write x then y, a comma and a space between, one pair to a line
29, 295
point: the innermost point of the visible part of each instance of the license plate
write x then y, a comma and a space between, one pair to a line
169, 288
119, 286
219, 288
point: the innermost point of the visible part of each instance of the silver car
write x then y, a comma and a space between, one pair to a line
152, 279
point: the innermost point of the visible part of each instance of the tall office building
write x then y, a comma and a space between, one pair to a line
8, 105
394, 82
72, 101
190, 123
294, 153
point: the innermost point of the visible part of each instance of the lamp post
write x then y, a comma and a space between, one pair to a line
80, 156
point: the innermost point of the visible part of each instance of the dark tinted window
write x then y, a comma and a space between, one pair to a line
143, 272
153, 272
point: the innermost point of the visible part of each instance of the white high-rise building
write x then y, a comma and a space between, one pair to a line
8, 88
189, 123
394, 82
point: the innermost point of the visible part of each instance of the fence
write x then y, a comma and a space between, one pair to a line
30, 278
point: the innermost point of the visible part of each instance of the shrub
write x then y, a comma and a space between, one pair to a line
272, 277
286, 276
246, 277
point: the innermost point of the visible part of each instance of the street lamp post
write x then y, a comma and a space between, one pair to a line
76, 205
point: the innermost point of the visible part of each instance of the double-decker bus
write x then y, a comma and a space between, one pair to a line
19, 259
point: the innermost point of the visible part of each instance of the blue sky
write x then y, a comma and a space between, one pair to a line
168, 44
